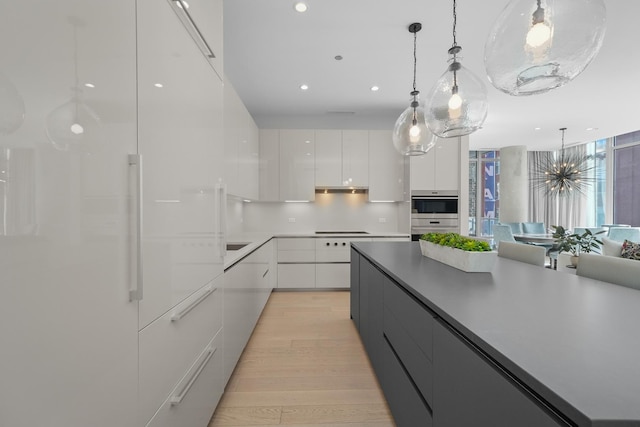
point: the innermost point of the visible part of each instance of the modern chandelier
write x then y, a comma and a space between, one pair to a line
458, 100
411, 137
539, 45
564, 176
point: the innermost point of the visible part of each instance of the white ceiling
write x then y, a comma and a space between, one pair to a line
270, 50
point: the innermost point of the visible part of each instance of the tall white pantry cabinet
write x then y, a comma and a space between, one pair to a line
111, 238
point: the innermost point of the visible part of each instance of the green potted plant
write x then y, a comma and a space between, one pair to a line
461, 252
574, 243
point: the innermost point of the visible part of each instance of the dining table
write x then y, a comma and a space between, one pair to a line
546, 238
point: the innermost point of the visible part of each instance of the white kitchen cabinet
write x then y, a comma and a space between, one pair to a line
269, 169
194, 399
355, 158
328, 158
333, 276
386, 169
297, 165
247, 289
342, 158
296, 262
439, 169
180, 139
206, 18
240, 147
69, 332
170, 345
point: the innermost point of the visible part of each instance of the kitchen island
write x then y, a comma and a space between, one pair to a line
520, 346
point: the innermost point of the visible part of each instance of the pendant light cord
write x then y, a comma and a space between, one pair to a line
455, 23
415, 60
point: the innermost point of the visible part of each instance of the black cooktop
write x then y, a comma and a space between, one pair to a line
341, 232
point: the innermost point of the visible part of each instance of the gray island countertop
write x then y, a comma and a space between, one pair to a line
573, 341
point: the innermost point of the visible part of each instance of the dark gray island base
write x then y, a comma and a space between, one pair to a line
520, 346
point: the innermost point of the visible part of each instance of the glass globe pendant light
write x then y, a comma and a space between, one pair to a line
457, 103
539, 45
411, 137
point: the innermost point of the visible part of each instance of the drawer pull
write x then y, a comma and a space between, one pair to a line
265, 273
175, 400
177, 316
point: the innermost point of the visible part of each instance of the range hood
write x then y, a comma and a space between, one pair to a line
342, 190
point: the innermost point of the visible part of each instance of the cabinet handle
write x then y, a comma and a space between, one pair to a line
135, 268
176, 399
265, 273
177, 316
221, 191
181, 8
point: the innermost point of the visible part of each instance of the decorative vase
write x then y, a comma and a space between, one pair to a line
574, 260
467, 261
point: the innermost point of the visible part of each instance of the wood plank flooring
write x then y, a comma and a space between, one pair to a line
304, 366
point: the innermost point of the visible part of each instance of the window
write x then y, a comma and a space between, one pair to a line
626, 173
484, 192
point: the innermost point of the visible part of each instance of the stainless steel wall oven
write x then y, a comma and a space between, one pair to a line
434, 211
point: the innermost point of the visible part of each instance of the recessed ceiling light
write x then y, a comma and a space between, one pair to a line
89, 85
307, 142
590, 129
158, 85
375, 88
537, 128
304, 87
300, 7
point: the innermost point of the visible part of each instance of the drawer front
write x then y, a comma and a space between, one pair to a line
168, 347
411, 356
333, 276
297, 256
296, 244
198, 392
416, 320
407, 407
296, 275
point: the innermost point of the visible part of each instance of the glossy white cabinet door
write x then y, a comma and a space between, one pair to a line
180, 139
439, 169
297, 170
328, 158
355, 158
269, 185
69, 333
386, 168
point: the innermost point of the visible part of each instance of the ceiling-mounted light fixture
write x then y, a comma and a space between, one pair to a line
539, 45
457, 103
411, 137
74, 121
565, 175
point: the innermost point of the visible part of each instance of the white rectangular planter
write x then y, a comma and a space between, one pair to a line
470, 262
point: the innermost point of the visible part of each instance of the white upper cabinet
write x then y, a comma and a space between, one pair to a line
269, 169
342, 158
386, 169
297, 165
328, 158
439, 169
355, 158
241, 146
180, 139
69, 332
202, 19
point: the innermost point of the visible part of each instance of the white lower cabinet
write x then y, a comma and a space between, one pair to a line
247, 289
297, 275
172, 345
296, 262
334, 275
194, 399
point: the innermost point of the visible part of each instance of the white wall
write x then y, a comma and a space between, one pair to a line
329, 212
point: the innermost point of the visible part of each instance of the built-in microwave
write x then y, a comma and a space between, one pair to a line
434, 204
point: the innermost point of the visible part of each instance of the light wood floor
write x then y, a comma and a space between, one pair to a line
304, 366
